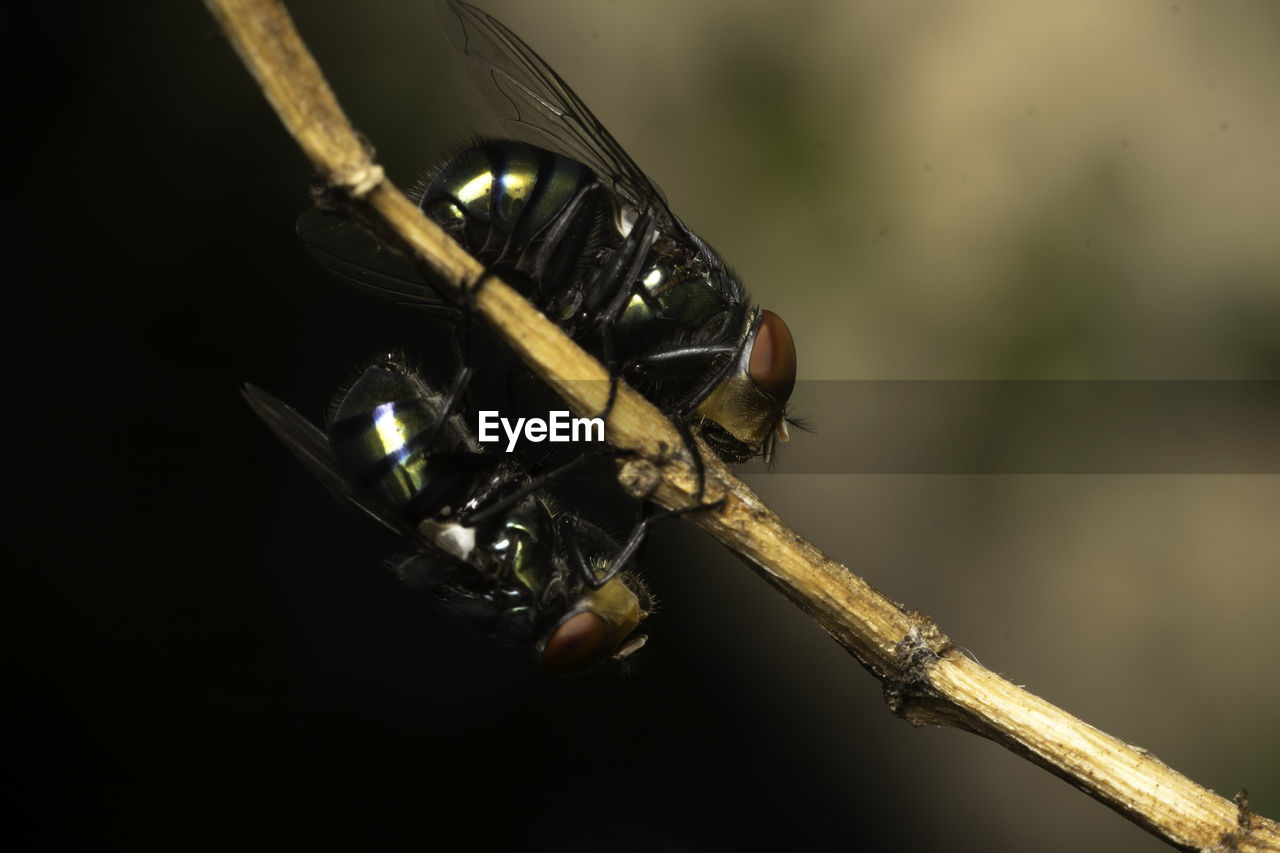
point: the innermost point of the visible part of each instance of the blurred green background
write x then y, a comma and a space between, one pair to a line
990, 190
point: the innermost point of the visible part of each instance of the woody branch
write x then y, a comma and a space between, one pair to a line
926, 680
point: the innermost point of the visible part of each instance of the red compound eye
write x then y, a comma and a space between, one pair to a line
576, 644
773, 357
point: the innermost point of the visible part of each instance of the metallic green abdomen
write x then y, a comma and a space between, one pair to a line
388, 439
508, 187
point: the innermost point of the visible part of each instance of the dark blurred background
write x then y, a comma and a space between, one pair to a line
206, 650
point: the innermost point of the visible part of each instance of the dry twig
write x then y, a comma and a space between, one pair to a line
925, 679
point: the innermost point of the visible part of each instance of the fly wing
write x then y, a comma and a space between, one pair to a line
307, 442
541, 109
349, 252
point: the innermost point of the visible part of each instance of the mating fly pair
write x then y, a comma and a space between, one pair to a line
566, 217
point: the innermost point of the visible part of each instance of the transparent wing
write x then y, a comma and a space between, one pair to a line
349, 252
541, 109
311, 446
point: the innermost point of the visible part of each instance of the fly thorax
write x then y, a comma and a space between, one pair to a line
520, 544
675, 298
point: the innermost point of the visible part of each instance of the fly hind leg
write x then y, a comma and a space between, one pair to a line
611, 289
574, 530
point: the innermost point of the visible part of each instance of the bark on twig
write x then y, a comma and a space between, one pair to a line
926, 680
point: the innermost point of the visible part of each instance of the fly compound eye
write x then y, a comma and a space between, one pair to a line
576, 643
773, 357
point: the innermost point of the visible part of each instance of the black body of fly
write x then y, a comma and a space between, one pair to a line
568, 218
485, 539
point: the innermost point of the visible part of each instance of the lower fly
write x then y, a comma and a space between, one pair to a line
486, 542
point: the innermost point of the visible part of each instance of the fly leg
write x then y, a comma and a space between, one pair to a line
559, 248
535, 483
617, 282
451, 403
571, 527
539, 268
690, 359
468, 292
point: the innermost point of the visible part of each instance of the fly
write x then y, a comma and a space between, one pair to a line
485, 540
566, 216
